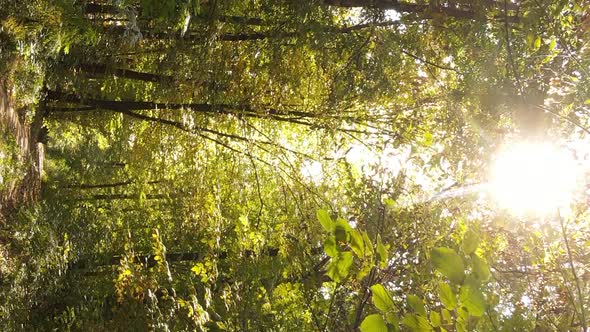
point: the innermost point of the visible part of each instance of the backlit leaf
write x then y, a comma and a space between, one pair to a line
470, 241
381, 298
537, 44
325, 220
471, 298
449, 263
373, 323
446, 296
356, 243
330, 247
416, 304
416, 323
435, 319
480, 268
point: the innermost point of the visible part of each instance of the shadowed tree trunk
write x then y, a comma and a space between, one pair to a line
98, 69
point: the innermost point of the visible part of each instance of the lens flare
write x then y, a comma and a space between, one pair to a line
533, 178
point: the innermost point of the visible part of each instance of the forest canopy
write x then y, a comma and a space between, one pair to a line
320, 165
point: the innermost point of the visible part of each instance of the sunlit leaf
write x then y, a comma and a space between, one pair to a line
537, 44
373, 323
341, 230
392, 319
364, 270
552, 44
460, 326
368, 245
381, 298
446, 296
428, 139
449, 263
470, 241
356, 243
446, 315
471, 298
325, 220
435, 319
416, 323
480, 268
344, 263
416, 304
330, 247
340, 266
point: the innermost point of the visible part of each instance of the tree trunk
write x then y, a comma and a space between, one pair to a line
127, 106
102, 69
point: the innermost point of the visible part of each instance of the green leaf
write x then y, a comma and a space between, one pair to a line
368, 245
460, 326
342, 230
446, 315
330, 246
537, 44
344, 263
462, 314
332, 271
435, 319
416, 304
428, 139
470, 241
446, 296
480, 268
325, 220
381, 298
390, 203
340, 266
530, 39
416, 323
449, 263
552, 44
373, 323
471, 297
392, 319
356, 243
382, 251
364, 270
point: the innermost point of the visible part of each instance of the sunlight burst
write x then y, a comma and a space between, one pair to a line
533, 178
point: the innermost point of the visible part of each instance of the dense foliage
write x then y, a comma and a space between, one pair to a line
289, 165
